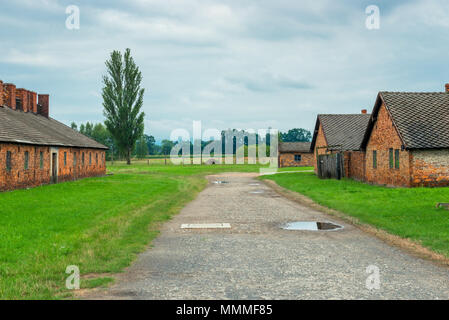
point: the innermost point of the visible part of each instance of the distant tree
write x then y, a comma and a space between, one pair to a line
296, 135
74, 126
151, 144
99, 133
82, 128
167, 145
142, 148
123, 100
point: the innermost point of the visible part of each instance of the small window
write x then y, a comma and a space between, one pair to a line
298, 157
396, 159
74, 159
41, 160
374, 159
82, 159
90, 158
96, 158
391, 158
65, 159
27, 158
8, 161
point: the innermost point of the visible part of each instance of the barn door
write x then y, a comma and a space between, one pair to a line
330, 166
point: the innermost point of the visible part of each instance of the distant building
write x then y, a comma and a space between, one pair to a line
295, 154
342, 133
36, 149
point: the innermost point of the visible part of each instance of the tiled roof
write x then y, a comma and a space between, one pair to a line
422, 119
29, 128
294, 147
343, 131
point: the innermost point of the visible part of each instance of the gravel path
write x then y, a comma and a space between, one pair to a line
256, 259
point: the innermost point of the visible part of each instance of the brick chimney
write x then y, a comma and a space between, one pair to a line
22, 94
1, 93
364, 111
447, 87
32, 101
11, 92
44, 105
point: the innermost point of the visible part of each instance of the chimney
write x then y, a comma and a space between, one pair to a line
32, 102
364, 111
447, 87
1, 93
11, 92
44, 105
22, 94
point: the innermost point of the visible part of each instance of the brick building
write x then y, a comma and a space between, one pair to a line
295, 154
36, 149
407, 139
342, 133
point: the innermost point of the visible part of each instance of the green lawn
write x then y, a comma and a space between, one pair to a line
408, 213
98, 224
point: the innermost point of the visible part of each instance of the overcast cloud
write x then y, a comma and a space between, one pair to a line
230, 64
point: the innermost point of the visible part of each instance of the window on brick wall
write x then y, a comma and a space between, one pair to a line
82, 159
8, 161
391, 158
298, 158
74, 159
65, 159
374, 159
96, 158
27, 158
41, 160
90, 158
396, 158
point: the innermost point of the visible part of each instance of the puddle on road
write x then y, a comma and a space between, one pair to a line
220, 182
312, 226
256, 192
254, 184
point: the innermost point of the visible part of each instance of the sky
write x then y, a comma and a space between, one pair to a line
229, 63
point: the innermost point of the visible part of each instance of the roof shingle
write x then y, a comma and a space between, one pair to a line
29, 128
422, 118
294, 147
344, 131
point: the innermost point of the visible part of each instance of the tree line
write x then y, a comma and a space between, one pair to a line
147, 145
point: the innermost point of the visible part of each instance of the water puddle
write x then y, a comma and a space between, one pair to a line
312, 226
256, 192
220, 182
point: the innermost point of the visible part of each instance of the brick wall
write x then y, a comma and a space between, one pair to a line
320, 142
287, 159
19, 177
383, 137
354, 162
68, 170
430, 168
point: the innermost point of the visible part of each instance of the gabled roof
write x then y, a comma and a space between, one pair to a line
420, 118
344, 132
294, 147
30, 128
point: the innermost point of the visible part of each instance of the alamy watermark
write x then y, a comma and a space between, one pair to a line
73, 280
373, 280
372, 21
225, 147
72, 21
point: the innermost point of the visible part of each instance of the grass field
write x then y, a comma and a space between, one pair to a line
97, 224
101, 224
408, 213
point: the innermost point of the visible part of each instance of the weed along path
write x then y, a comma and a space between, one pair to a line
243, 253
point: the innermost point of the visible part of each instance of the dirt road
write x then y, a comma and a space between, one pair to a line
256, 259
